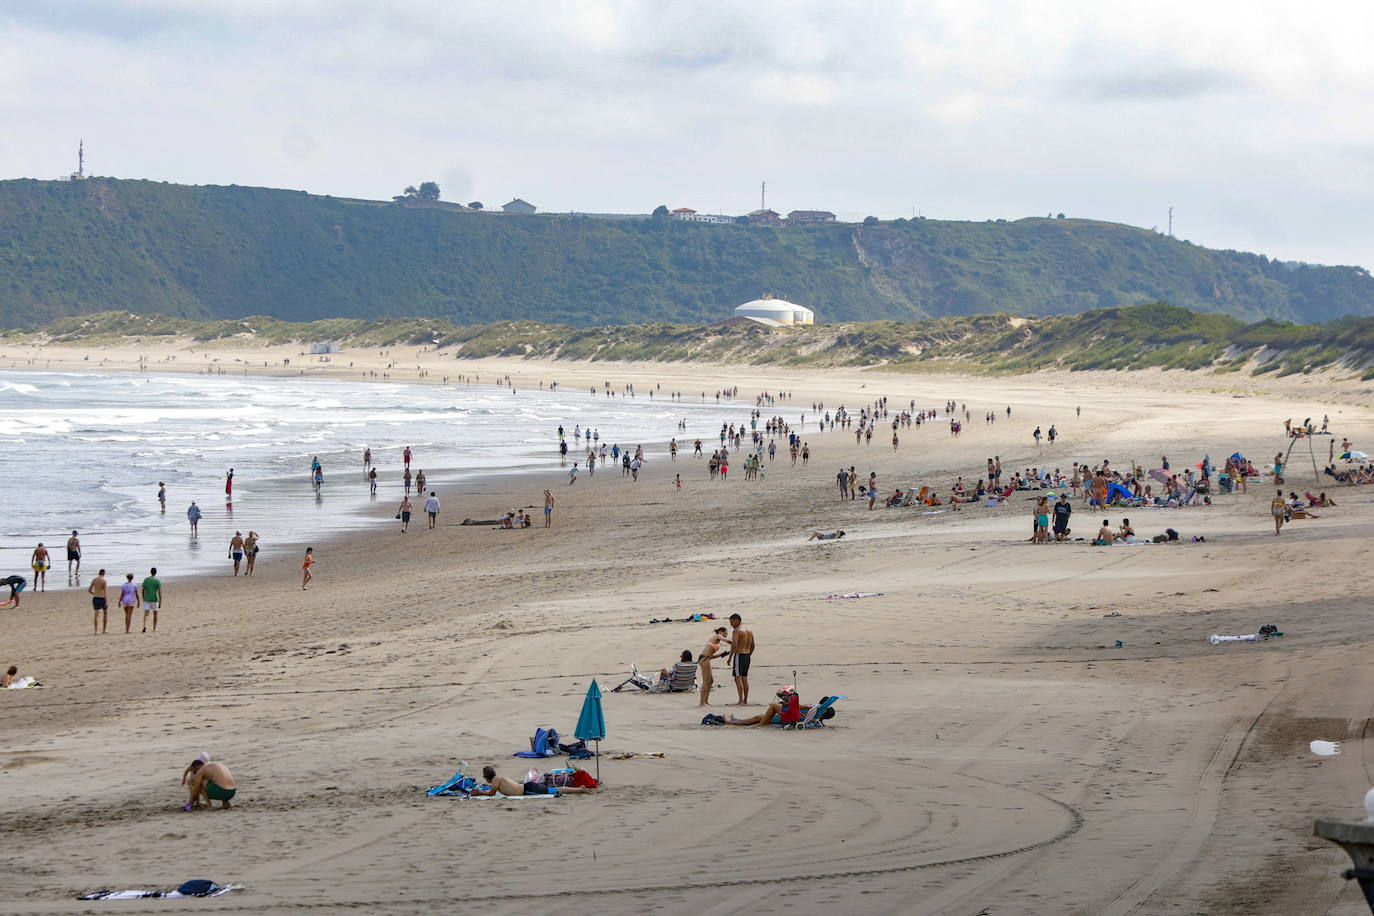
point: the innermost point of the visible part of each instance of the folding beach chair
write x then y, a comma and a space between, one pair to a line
815, 716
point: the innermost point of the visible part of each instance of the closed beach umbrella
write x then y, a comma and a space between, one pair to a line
591, 725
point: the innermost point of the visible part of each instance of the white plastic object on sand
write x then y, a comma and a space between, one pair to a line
1325, 748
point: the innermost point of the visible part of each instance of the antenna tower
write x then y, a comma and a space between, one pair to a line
1171, 222
763, 195
81, 158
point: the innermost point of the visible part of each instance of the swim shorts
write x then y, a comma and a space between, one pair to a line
548, 510
98, 603
217, 793
238, 555
739, 667
73, 555
150, 606
405, 516
538, 788
40, 566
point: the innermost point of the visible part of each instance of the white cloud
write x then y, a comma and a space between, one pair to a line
964, 108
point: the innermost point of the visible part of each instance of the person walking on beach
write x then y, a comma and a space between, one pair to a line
405, 456
367, 459
193, 516
99, 606
236, 550
250, 551
548, 509
403, 512
572, 475
419, 483
152, 598
40, 563
372, 481
305, 568
73, 556
1279, 509
432, 509
741, 651
406, 478
128, 597
162, 496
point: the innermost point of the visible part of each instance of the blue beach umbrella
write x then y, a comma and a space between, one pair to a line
591, 725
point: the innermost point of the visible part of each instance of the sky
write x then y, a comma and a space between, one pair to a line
1250, 119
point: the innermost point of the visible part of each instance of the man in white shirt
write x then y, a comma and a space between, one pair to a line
432, 507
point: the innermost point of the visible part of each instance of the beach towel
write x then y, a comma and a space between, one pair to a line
854, 595
199, 887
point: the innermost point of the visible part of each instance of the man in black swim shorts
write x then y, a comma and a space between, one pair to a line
741, 651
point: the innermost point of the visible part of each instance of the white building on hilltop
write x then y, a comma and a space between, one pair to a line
775, 311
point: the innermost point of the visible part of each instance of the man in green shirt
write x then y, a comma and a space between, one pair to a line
152, 598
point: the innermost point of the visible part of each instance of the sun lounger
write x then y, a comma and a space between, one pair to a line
814, 717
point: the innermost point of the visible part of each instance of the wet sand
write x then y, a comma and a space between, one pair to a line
997, 751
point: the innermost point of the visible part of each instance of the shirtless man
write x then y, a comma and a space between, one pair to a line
548, 509
504, 785
741, 651
236, 550
713, 649
211, 781
99, 603
74, 556
403, 510
1105, 534
39, 562
372, 481
826, 536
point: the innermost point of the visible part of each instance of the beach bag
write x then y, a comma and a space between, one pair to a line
791, 709
713, 719
1171, 534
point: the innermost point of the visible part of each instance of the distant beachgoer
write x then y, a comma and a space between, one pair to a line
1278, 470
367, 458
229, 485
99, 603
73, 556
419, 482
572, 475
162, 495
677, 482
306, 575
406, 478
128, 597
403, 512
1105, 535
432, 509
826, 535
193, 516
1279, 509
40, 563
151, 590
713, 649
548, 509
372, 481
236, 550
405, 456
504, 785
8, 677
250, 551
17, 585
212, 782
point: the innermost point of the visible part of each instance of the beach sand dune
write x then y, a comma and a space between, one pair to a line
997, 751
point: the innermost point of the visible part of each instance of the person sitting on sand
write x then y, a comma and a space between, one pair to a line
826, 535
1126, 532
1105, 535
211, 781
8, 677
685, 668
504, 785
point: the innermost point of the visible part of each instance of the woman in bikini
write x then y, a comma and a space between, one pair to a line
714, 649
250, 551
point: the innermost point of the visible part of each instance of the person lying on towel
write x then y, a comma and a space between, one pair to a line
504, 785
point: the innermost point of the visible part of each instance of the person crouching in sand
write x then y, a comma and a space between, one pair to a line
211, 781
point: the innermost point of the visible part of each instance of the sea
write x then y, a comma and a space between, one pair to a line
86, 451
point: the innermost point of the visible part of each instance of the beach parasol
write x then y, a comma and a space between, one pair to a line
591, 725
1160, 475
1353, 455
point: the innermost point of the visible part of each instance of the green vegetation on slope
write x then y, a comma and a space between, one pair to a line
1127, 337
71, 248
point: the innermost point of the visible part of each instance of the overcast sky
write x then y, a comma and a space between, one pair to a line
1252, 119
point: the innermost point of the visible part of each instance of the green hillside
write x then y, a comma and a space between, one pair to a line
72, 248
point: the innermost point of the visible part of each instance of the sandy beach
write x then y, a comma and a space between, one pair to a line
997, 750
